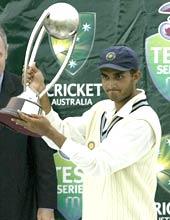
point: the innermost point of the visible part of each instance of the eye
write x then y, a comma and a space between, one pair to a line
119, 76
104, 76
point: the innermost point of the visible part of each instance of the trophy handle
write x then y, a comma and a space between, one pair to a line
54, 80
30, 59
36, 45
31, 40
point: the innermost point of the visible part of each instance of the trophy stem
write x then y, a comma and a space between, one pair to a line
51, 84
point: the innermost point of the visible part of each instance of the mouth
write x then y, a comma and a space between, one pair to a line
112, 90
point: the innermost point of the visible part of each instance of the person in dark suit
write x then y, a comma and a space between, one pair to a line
28, 184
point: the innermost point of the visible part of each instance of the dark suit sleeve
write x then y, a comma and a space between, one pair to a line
45, 173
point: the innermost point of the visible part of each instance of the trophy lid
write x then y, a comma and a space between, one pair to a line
62, 21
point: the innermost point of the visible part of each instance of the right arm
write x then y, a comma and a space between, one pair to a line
71, 127
35, 80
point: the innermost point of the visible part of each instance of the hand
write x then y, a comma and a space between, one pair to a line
35, 78
40, 125
45, 214
36, 123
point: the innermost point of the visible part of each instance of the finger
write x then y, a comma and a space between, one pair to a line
36, 116
19, 122
26, 70
30, 73
28, 81
28, 76
28, 118
34, 65
34, 68
24, 116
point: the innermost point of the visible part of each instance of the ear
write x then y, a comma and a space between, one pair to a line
6, 55
137, 75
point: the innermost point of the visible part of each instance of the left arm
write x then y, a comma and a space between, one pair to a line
124, 145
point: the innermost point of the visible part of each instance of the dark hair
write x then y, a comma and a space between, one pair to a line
133, 71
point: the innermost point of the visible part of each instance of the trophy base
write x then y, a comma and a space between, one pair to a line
10, 111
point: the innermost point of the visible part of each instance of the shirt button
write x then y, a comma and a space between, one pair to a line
91, 145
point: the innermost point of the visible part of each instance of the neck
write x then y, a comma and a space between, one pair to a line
120, 104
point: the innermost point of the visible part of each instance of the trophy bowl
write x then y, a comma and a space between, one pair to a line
61, 25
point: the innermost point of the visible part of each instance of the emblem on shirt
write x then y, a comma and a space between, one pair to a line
157, 50
91, 145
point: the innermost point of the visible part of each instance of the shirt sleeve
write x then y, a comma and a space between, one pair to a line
123, 147
73, 128
68, 125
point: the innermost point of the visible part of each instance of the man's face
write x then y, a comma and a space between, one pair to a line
119, 86
3, 56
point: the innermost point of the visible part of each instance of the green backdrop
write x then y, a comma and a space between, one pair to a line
135, 23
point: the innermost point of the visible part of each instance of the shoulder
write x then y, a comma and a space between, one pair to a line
14, 77
13, 81
145, 112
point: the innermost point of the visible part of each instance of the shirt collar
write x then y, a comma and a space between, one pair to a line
126, 109
1, 79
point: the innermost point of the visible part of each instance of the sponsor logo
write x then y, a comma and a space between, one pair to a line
157, 49
69, 188
163, 210
83, 46
164, 164
74, 94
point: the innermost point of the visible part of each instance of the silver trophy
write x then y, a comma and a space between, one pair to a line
61, 21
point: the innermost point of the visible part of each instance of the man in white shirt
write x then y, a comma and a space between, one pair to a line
115, 143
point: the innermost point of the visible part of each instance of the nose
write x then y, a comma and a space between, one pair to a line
111, 84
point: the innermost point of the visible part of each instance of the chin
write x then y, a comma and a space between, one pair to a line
114, 96
115, 99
